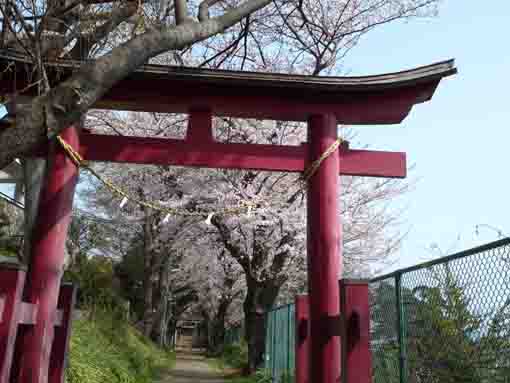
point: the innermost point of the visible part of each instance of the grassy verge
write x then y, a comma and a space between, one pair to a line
106, 349
244, 379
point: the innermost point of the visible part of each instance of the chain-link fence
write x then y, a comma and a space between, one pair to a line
280, 343
444, 321
234, 335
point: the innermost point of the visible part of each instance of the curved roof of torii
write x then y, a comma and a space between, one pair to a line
380, 99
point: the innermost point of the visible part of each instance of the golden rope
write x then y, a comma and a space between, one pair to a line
310, 171
244, 206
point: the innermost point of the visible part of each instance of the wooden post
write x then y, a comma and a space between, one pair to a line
200, 127
47, 260
58, 360
356, 356
12, 279
302, 354
324, 253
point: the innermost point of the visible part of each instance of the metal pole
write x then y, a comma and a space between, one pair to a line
323, 252
289, 335
401, 329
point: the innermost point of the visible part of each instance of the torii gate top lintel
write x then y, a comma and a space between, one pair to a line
272, 96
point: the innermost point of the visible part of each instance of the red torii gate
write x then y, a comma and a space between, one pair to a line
324, 102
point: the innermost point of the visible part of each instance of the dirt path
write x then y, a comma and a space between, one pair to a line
192, 368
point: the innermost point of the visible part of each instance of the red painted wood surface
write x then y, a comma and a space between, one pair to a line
390, 106
302, 354
356, 356
200, 127
46, 269
162, 151
11, 290
386, 99
28, 313
58, 360
324, 253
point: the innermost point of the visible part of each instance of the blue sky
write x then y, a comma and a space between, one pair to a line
459, 141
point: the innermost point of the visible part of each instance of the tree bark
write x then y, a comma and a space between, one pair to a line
161, 303
217, 328
34, 172
260, 298
148, 254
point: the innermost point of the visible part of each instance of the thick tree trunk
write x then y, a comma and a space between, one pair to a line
34, 172
260, 298
148, 274
161, 303
217, 328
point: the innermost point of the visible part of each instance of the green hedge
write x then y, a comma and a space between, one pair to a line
107, 349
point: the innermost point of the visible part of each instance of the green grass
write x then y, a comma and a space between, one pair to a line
106, 349
234, 359
234, 356
243, 379
231, 362
5, 253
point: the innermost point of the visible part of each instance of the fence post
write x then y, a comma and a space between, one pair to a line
12, 280
60, 347
355, 309
302, 353
401, 329
289, 354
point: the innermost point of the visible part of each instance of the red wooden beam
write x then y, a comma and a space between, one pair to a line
200, 127
302, 354
389, 106
381, 99
66, 303
12, 281
356, 356
163, 151
28, 314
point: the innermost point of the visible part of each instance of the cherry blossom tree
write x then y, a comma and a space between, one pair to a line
309, 37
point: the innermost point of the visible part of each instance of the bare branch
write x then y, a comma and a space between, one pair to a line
76, 95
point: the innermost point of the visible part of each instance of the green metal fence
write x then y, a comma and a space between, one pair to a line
280, 343
234, 335
446, 321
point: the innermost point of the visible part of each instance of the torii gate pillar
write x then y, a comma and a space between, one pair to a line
47, 267
324, 252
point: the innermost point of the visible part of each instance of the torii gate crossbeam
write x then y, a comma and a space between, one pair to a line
322, 102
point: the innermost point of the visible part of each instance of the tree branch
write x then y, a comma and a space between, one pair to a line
203, 9
181, 12
68, 101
